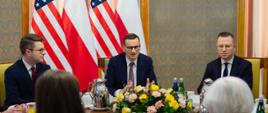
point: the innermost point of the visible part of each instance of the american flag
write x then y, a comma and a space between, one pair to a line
84, 31
47, 23
102, 21
69, 46
109, 24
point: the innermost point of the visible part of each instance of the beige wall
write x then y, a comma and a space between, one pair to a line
183, 35
10, 27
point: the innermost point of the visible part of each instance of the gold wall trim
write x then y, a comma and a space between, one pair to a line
145, 22
240, 27
25, 17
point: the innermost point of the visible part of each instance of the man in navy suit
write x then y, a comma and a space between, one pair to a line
228, 64
21, 76
129, 66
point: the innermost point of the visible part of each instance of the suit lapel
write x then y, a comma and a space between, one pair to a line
38, 70
124, 69
25, 73
139, 72
235, 66
218, 68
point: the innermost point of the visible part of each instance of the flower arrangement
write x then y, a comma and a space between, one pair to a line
151, 99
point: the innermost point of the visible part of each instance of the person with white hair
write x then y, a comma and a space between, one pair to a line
229, 95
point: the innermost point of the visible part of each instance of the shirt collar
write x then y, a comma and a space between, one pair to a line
128, 62
28, 66
229, 61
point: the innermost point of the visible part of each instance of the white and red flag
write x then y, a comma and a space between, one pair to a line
82, 51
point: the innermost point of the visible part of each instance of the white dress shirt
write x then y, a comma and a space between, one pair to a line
134, 72
28, 67
229, 66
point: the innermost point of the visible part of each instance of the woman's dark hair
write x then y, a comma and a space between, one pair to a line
58, 92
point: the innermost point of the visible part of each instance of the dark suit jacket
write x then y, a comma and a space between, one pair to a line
116, 75
240, 68
18, 83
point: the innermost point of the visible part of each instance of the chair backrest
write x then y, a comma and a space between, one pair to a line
3, 67
256, 65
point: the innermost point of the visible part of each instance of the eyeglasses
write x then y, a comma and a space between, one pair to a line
133, 47
39, 50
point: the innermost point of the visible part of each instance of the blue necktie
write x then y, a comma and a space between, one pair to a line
225, 71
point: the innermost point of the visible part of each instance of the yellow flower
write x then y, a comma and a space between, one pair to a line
169, 98
31, 110
143, 98
138, 88
154, 87
126, 110
174, 104
189, 105
169, 90
120, 97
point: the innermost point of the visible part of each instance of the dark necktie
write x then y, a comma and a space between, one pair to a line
225, 71
33, 74
131, 73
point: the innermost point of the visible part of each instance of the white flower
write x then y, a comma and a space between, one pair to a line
156, 94
132, 97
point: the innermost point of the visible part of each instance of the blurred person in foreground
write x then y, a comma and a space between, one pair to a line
130, 67
228, 64
58, 92
21, 76
229, 95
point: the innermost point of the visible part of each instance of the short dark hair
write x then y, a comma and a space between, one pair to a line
27, 42
58, 92
225, 34
131, 36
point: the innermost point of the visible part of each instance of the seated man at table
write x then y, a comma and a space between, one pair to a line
21, 76
56, 92
228, 64
131, 65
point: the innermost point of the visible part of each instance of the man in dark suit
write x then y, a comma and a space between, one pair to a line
21, 76
129, 66
228, 64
